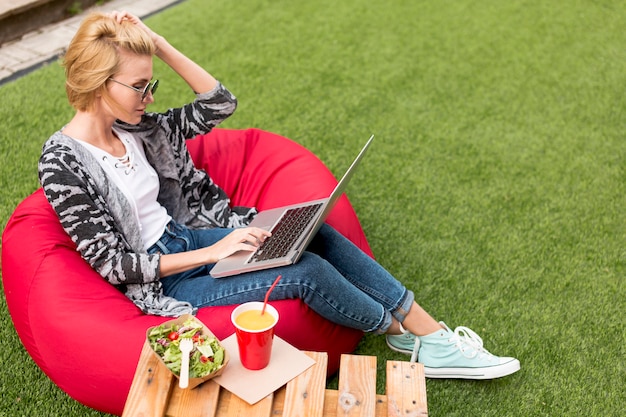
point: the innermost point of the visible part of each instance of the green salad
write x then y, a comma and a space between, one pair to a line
206, 356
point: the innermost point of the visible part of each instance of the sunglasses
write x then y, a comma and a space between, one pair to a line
151, 88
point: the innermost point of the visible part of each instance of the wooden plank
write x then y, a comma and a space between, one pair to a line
304, 396
357, 386
278, 405
233, 406
406, 389
222, 403
331, 397
155, 392
200, 401
381, 406
151, 387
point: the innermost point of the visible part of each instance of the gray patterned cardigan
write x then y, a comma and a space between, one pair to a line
95, 213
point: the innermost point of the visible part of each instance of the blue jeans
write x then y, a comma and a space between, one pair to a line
333, 277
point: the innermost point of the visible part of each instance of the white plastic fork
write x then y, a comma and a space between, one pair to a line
186, 345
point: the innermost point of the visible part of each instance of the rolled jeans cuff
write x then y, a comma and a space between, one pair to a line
401, 312
398, 313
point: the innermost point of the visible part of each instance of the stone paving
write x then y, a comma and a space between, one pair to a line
45, 45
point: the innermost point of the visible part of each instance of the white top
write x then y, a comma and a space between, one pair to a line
139, 182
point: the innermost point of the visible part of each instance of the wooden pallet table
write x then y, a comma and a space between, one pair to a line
155, 393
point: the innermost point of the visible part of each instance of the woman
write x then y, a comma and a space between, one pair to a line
127, 193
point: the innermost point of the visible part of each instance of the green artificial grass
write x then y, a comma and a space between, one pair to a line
495, 188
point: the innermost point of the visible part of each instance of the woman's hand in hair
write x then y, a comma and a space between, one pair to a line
121, 16
194, 75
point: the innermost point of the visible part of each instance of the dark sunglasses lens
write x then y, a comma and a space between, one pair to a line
149, 88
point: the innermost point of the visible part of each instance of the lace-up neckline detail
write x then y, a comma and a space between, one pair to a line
126, 162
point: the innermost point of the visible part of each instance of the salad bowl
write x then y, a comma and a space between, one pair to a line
207, 359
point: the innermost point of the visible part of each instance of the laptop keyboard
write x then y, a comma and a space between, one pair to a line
285, 233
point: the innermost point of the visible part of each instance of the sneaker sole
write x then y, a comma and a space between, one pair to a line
490, 372
397, 349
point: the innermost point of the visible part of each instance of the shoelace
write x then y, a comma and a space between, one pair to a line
465, 336
416, 348
416, 344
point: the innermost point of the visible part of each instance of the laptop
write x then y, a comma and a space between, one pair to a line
293, 227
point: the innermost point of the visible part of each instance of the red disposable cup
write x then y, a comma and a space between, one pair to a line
255, 346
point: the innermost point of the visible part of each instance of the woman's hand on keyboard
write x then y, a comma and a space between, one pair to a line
247, 239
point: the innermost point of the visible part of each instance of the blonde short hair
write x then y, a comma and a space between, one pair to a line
93, 56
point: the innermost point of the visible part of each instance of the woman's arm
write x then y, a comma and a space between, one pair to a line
73, 192
197, 77
245, 239
94, 231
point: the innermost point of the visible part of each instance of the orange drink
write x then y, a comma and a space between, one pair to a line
254, 320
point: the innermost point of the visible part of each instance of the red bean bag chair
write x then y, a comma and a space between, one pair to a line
87, 336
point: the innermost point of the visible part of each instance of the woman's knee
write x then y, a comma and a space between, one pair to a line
313, 265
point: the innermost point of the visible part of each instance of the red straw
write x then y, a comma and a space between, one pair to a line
267, 296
